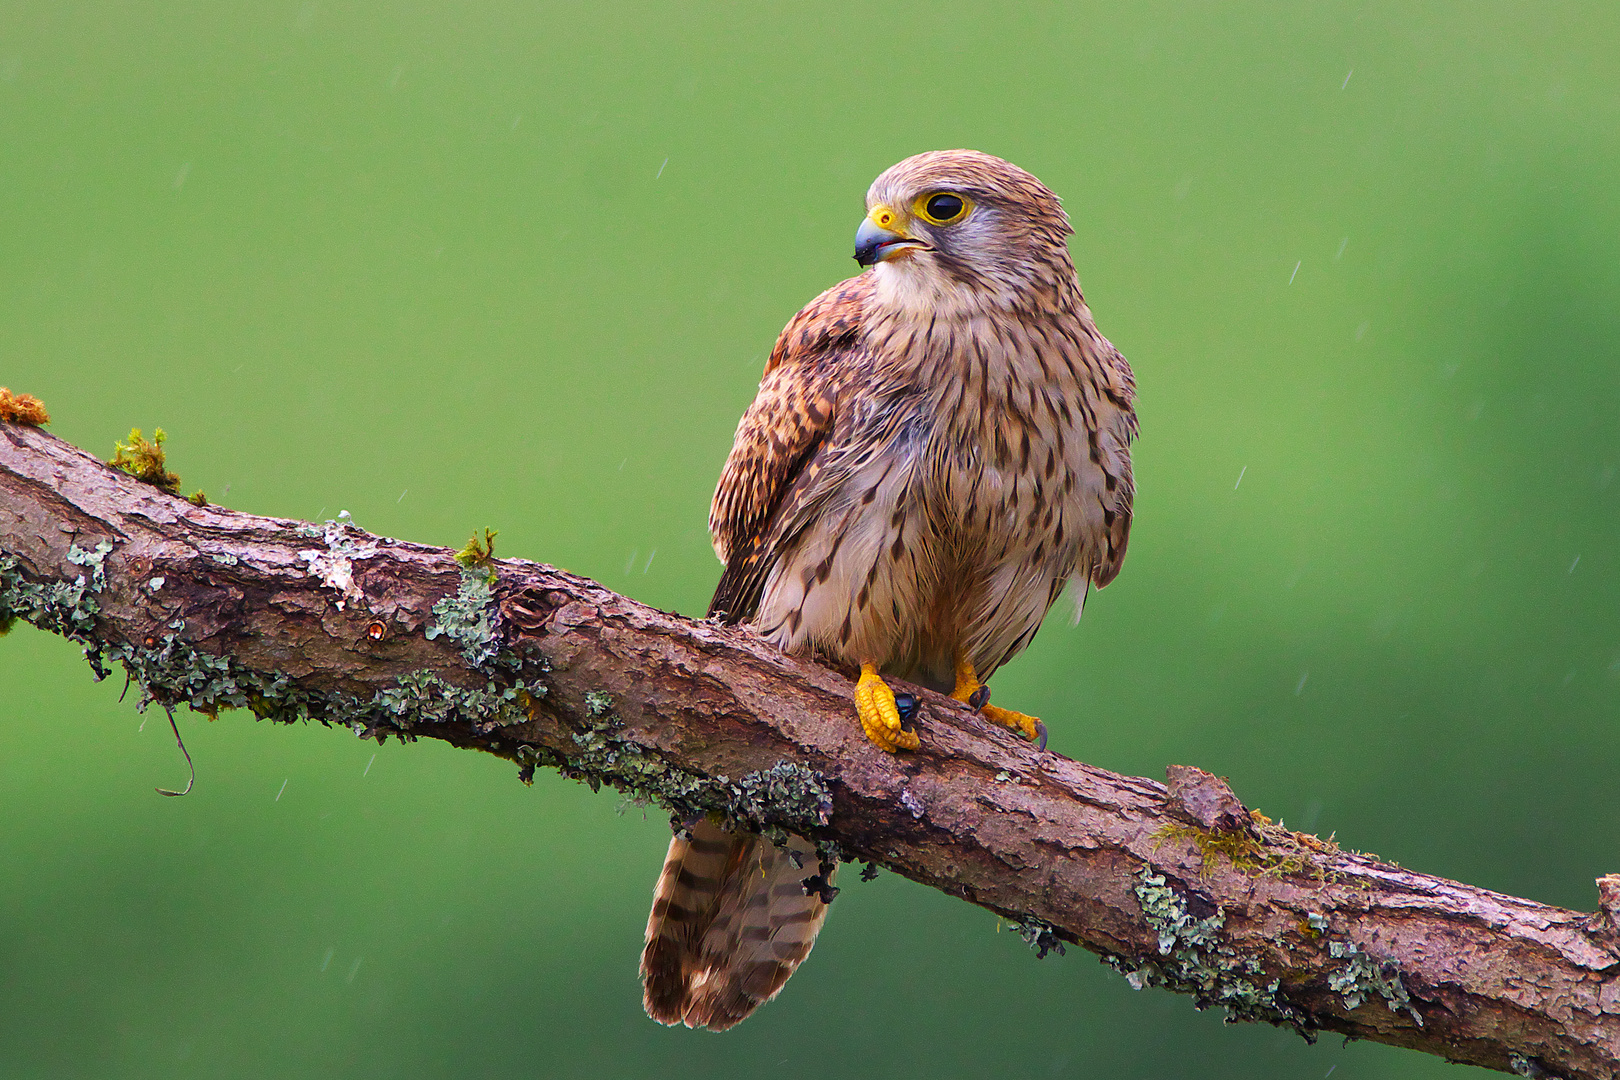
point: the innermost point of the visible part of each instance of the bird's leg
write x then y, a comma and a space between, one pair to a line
976, 694
880, 717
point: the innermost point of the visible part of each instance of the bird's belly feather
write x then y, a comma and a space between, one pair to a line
921, 553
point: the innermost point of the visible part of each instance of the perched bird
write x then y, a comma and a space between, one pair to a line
938, 447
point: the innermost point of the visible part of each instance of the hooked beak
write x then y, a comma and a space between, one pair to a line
875, 242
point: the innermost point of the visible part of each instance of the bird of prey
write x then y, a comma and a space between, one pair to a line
939, 446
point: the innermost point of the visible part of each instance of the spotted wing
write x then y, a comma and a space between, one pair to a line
780, 444
1118, 430
731, 921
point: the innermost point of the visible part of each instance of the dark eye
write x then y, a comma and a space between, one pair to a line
944, 207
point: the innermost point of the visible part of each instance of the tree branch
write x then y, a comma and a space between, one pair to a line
1176, 886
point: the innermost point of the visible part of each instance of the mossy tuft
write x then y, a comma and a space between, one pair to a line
22, 409
144, 460
1277, 852
479, 554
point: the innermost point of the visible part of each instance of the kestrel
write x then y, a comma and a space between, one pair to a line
939, 446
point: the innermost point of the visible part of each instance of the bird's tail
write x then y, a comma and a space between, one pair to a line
732, 917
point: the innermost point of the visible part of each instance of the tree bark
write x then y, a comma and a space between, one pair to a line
1177, 886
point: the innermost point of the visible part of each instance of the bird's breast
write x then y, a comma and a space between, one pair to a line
1010, 407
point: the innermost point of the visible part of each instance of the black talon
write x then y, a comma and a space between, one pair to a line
906, 705
1040, 735
980, 697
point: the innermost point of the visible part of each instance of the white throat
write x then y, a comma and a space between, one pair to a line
907, 286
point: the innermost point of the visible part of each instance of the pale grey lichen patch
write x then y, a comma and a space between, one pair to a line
1167, 913
423, 698
172, 671
1040, 935
784, 798
467, 618
1527, 1066
94, 560
335, 565
781, 793
1362, 976
66, 608
1196, 959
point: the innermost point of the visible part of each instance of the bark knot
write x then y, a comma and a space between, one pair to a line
1206, 800
1604, 924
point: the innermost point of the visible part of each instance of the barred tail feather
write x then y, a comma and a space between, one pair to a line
730, 922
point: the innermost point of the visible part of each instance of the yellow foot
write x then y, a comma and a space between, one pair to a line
880, 717
975, 693
1033, 729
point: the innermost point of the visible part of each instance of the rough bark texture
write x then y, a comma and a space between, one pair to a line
1175, 886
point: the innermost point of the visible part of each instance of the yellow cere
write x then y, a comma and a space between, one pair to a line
884, 217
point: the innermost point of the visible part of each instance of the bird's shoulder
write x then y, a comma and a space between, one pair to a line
1112, 370
780, 434
827, 328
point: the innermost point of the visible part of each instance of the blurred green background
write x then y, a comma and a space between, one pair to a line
452, 265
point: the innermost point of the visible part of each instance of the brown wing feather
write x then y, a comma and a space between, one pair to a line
1120, 386
779, 442
730, 922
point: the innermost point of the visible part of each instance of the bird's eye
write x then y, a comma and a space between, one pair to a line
943, 208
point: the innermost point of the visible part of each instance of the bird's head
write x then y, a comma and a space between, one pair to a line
960, 229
